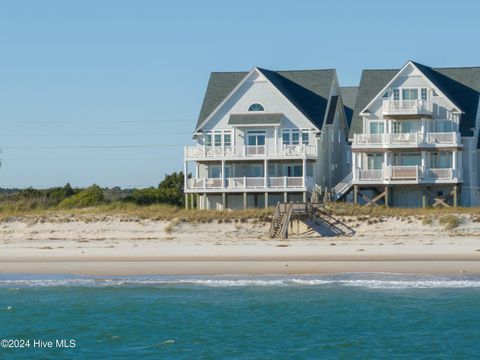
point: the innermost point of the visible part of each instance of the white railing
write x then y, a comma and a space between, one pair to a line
406, 106
408, 173
443, 138
410, 139
255, 182
250, 150
404, 138
440, 174
294, 182
369, 139
404, 172
281, 182
370, 175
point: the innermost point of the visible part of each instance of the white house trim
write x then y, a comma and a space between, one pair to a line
273, 86
365, 109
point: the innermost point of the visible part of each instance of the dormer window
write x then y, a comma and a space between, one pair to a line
256, 107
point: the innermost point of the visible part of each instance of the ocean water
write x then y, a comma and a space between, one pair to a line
296, 317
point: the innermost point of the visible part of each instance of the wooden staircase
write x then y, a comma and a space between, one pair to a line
315, 212
280, 221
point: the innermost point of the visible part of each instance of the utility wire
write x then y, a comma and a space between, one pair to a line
103, 134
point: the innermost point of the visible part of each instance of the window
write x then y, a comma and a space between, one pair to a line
215, 171
385, 95
441, 160
218, 138
295, 137
377, 127
256, 107
374, 161
396, 94
227, 139
424, 94
293, 170
208, 139
443, 126
305, 138
410, 94
256, 138
407, 159
397, 127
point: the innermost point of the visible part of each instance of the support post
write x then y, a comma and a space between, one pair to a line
265, 173
424, 200
355, 194
223, 174
266, 200
455, 196
304, 196
387, 197
186, 201
224, 201
205, 201
304, 171
198, 201
285, 198
244, 200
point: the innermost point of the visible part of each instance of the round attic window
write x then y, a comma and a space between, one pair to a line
256, 107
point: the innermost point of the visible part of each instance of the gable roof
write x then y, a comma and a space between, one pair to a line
307, 90
349, 98
332, 109
461, 85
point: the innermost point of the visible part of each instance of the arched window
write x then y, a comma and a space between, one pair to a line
256, 107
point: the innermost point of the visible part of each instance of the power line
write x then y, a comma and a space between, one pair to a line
91, 146
170, 121
104, 134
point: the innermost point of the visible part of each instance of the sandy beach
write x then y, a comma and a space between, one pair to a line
116, 245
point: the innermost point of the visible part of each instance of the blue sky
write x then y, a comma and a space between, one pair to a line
108, 92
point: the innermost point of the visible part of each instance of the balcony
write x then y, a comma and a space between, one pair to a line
249, 151
407, 174
407, 107
240, 184
406, 140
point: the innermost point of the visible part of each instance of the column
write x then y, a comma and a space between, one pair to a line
224, 200
185, 175
244, 200
285, 197
304, 171
205, 201
454, 159
198, 201
265, 173
186, 201
275, 135
387, 196
266, 200
455, 196
355, 194
223, 174
304, 196
354, 165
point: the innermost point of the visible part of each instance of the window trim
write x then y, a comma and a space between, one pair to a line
256, 103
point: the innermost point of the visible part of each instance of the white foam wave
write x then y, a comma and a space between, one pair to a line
372, 281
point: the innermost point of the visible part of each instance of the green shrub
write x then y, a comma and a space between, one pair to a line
89, 197
152, 195
450, 221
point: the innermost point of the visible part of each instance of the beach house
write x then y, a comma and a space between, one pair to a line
415, 137
267, 136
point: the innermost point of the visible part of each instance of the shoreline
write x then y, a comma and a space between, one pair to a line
114, 267
117, 245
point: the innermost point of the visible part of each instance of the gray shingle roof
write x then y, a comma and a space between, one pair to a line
332, 109
371, 82
461, 85
257, 118
349, 98
308, 90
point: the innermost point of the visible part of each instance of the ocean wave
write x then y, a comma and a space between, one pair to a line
372, 281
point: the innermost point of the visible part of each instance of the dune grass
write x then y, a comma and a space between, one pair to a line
165, 212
